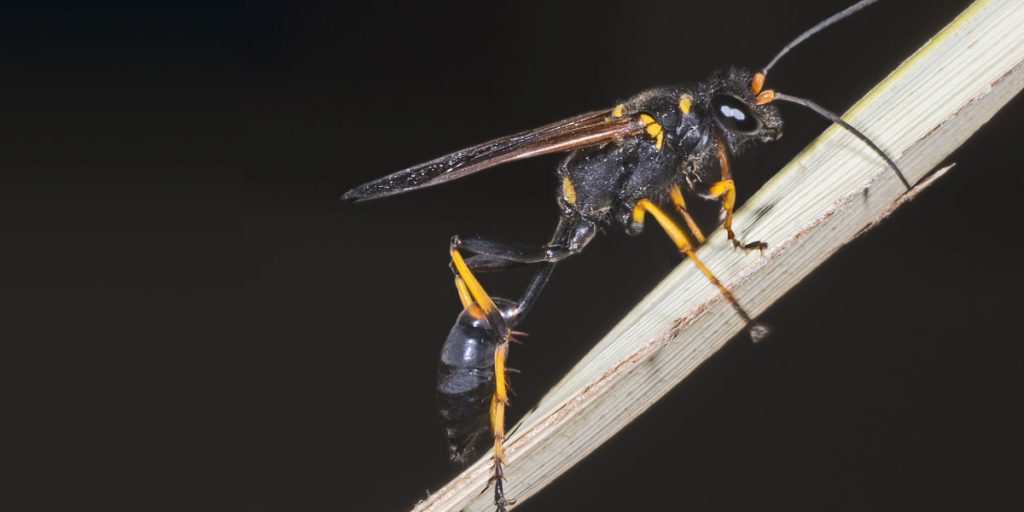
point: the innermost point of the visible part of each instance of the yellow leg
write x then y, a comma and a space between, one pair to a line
498, 403
725, 191
680, 203
473, 287
685, 246
472, 295
465, 297
467, 300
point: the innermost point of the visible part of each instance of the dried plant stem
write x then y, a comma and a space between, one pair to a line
831, 192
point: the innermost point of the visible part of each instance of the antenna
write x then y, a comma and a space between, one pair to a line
836, 119
768, 95
818, 28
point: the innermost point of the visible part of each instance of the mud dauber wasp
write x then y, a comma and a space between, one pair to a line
623, 162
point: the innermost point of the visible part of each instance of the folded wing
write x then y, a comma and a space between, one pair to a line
584, 130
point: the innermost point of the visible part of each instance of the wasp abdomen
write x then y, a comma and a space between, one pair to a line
465, 380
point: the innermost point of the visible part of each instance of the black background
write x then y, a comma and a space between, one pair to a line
192, 319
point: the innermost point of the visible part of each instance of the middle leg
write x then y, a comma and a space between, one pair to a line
685, 246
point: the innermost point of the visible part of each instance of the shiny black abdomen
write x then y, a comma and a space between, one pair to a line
465, 380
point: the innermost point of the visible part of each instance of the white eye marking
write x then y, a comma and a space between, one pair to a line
733, 113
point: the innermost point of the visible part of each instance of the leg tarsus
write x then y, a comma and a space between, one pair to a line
724, 191
737, 244
498, 402
500, 501
758, 332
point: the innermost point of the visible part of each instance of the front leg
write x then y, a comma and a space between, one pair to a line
724, 191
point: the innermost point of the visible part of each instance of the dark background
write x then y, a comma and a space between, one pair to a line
192, 319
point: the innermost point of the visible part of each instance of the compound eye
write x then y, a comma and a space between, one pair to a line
734, 115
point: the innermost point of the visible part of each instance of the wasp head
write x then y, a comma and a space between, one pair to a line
737, 116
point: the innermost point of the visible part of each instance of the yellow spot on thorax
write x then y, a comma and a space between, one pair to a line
568, 191
685, 101
617, 111
653, 129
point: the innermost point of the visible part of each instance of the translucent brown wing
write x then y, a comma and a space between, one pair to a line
576, 132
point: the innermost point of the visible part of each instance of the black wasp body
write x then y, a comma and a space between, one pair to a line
686, 126
622, 163
685, 130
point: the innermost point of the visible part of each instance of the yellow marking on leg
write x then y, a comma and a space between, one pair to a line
638, 214
725, 191
500, 385
498, 402
617, 111
498, 427
723, 159
480, 305
475, 289
685, 101
672, 229
568, 191
677, 199
464, 296
764, 97
686, 247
